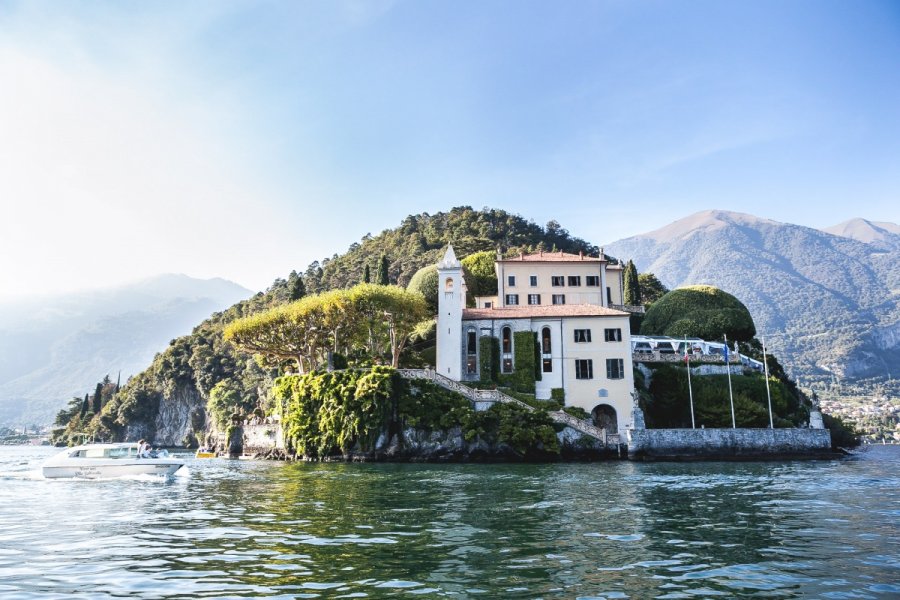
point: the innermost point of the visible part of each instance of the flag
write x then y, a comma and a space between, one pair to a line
726, 354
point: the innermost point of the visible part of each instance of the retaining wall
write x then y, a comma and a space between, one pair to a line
727, 443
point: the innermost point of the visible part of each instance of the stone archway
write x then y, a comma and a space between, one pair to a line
604, 416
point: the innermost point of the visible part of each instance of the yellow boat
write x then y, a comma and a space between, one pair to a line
202, 453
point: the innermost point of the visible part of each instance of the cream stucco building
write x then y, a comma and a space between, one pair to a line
572, 305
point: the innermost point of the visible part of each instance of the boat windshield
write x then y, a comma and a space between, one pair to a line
116, 452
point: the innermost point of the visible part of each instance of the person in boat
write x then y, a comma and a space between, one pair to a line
143, 449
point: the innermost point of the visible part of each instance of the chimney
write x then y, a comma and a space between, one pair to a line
581, 254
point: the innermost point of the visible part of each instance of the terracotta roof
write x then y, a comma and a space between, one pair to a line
552, 257
544, 311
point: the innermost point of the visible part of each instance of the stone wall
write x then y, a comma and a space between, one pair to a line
262, 437
727, 443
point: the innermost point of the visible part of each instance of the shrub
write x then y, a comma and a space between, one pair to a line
699, 311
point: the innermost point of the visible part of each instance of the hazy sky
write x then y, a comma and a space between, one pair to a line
246, 139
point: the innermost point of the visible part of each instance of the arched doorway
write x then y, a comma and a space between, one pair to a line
604, 416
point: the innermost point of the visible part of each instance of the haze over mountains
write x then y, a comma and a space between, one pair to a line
828, 301
53, 348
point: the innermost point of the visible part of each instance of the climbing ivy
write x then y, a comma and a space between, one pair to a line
523, 362
488, 359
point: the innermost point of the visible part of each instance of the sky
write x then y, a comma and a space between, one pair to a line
243, 139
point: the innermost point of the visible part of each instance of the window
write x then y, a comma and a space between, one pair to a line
506, 365
487, 304
612, 335
584, 369
609, 295
592, 281
511, 280
546, 361
559, 298
471, 353
506, 340
582, 335
470, 342
557, 281
614, 368
512, 299
574, 280
534, 299
532, 281
448, 285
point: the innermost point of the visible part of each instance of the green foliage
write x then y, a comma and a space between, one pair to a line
538, 367
376, 321
558, 395
632, 291
669, 404
478, 270
699, 311
296, 287
224, 400
651, 288
843, 435
522, 379
525, 431
382, 277
425, 405
488, 358
425, 282
577, 412
331, 412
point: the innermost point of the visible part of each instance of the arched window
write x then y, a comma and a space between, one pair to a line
546, 351
506, 359
448, 285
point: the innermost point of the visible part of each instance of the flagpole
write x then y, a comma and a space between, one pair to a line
768, 394
687, 358
730, 394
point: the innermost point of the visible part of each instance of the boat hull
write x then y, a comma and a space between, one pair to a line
103, 470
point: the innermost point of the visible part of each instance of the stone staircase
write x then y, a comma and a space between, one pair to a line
474, 395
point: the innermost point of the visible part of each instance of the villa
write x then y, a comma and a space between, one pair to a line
565, 309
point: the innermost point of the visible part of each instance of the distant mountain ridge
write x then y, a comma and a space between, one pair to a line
54, 347
826, 299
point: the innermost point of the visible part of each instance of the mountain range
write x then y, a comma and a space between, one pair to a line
56, 347
827, 301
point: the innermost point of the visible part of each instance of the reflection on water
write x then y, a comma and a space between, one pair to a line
613, 530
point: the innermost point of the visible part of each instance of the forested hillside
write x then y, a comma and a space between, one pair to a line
202, 374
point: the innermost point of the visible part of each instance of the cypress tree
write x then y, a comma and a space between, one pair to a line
98, 398
632, 290
367, 275
85, 405
382, 276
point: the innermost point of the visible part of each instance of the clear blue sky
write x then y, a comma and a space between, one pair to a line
246, 139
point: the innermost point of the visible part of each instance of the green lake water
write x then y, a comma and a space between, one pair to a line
243, 529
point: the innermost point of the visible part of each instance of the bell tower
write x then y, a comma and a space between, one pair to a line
451, 301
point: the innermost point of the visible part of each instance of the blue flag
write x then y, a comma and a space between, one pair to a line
726, 353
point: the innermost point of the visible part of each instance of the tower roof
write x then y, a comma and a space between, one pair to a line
449, 261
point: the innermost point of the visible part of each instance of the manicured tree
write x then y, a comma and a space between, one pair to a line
382, 276
425, 282
632, 285
700, 311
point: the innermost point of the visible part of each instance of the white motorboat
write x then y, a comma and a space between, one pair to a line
93, 461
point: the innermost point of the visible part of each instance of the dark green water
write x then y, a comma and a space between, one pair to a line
232, 529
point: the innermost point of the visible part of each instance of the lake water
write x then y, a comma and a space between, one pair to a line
241, 529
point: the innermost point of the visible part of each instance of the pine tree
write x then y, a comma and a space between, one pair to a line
382, 276
632, 290
296, 289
